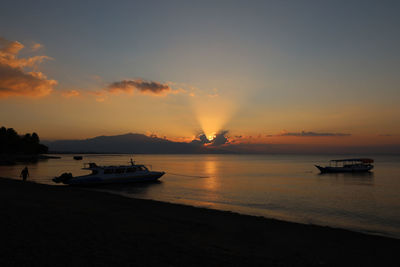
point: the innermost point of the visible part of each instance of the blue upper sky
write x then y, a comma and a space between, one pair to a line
280, 54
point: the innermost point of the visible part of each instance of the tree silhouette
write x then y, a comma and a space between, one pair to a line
12, 143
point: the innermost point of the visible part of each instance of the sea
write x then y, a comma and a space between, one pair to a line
284, 187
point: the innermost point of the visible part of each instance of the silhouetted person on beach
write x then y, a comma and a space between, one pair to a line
24, 173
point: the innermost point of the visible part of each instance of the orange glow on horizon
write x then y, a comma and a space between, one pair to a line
353, 140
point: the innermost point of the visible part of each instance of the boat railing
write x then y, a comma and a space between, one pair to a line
115, 169
349, 162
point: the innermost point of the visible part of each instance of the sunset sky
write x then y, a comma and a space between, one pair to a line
306, 72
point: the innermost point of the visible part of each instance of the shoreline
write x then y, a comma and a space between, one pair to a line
42, 223
12, 159
231, 209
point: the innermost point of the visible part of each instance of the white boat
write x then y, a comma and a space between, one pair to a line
110, 174
348, 165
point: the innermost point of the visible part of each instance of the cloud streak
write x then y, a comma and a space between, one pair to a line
15, 79
309, 134
70, 93
129, 86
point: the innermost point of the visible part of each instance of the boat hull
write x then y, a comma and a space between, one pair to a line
98, 180
344, 169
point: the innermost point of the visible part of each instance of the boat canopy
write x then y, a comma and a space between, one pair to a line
91, 165
363, 160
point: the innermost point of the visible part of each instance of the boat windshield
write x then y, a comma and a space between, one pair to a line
142, 168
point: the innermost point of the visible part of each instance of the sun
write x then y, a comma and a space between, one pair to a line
212, 115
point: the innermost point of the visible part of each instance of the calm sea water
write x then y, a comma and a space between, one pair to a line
286, 187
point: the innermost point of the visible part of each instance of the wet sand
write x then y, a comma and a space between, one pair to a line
44, 225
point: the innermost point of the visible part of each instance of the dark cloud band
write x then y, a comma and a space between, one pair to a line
128, 86
308, 134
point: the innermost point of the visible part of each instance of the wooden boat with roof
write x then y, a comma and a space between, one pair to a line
348, 165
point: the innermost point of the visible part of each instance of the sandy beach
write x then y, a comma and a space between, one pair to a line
44, 225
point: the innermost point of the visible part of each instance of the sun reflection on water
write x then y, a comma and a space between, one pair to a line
210, 168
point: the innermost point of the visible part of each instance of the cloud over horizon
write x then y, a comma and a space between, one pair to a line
129, 86
15, 80
219, 139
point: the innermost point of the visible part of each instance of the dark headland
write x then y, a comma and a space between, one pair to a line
20, 148
44, 225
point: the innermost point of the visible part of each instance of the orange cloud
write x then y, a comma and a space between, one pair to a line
36, 46
15, 80
128, 86
9, 47
70, 93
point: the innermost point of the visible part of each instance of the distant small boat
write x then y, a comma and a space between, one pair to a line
78, 157
110, 174
348, 165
